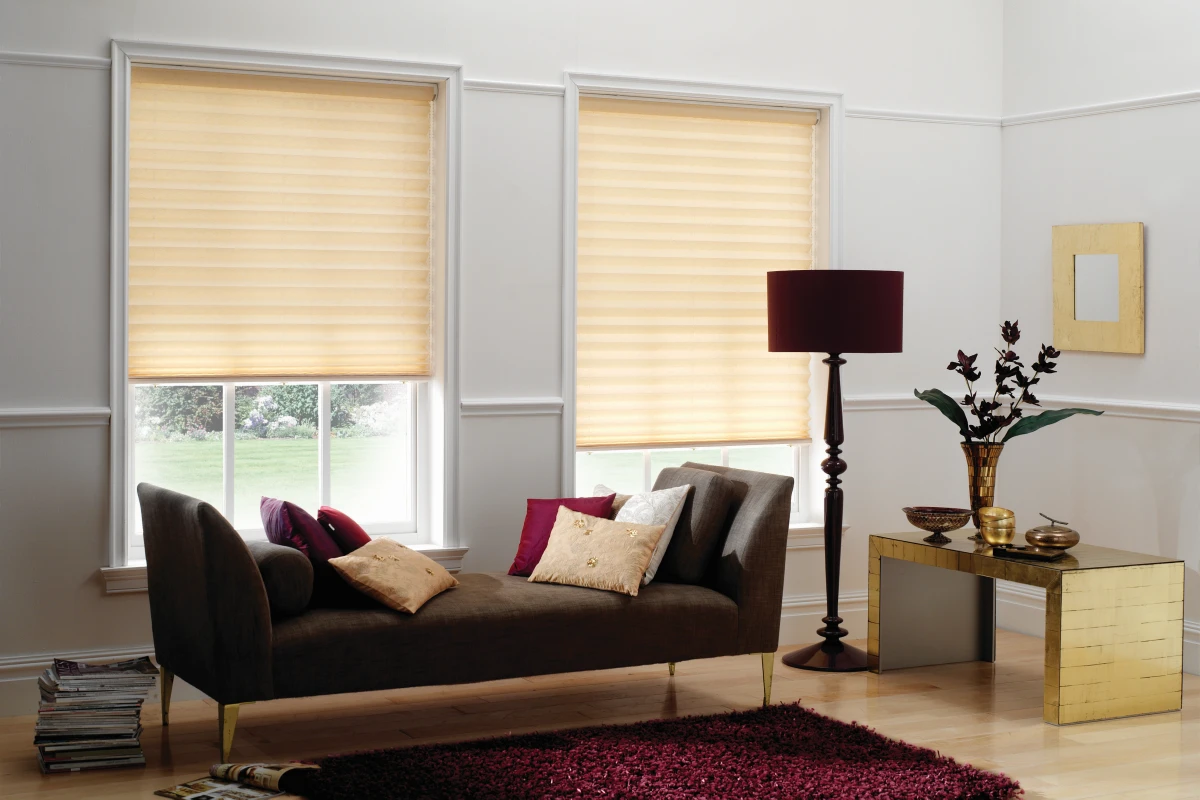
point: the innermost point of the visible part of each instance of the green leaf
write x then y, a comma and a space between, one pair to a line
948, 406
1038, 421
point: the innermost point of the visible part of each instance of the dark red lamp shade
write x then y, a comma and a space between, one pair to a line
835, 311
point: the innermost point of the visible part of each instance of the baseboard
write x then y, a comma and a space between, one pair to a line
802, 616
19, 674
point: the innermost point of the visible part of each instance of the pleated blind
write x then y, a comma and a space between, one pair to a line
682, 210
279, 226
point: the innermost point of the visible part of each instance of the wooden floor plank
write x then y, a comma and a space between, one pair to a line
983, 714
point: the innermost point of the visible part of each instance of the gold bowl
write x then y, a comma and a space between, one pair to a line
937, 520
997, 526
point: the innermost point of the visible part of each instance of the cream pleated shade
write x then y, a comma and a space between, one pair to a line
279, 226
683, 209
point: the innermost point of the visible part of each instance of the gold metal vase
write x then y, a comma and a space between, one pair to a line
981, 475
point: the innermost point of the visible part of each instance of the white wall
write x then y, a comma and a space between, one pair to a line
1127, 482
919, 196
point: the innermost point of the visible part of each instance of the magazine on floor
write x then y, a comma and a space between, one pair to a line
240, 782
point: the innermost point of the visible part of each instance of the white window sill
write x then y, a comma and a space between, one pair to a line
132, 578
808, 535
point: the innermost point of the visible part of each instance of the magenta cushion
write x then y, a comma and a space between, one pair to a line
539, 521
289, 524
348, 534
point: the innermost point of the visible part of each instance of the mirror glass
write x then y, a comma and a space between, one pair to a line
1097, 293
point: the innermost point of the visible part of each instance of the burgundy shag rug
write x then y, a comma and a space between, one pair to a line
782, 751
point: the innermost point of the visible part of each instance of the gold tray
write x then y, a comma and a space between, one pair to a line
1031, 553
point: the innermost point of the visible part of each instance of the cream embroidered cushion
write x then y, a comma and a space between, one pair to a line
397, 576
651, 508
597, 553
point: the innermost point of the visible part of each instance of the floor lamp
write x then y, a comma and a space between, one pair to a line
834, 311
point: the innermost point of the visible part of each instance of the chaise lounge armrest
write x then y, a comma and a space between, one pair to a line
208, 604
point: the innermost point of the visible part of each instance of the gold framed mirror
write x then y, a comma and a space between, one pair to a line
1099, 295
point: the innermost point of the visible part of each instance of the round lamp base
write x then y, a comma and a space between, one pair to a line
828, 657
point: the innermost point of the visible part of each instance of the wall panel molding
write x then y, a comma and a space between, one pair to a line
54, 60
512, 407
68, 417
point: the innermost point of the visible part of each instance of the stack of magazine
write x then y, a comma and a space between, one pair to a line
90, 715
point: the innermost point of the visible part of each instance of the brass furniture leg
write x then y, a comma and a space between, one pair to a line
1114, 643
227, 716
671, 667
768, 666
166, 680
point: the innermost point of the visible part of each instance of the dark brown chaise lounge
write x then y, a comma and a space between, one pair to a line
213, 626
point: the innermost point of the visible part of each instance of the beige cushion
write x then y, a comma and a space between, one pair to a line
597, 553
395, 575
651, 508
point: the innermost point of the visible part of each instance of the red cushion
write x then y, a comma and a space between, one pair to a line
289, 524
348, 534
539, 521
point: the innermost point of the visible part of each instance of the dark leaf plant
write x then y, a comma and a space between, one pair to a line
1005, 411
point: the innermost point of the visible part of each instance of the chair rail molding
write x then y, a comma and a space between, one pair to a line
1158, 410
507, 87
511, 406
54, 60
48, 417
1116, 107
922, 117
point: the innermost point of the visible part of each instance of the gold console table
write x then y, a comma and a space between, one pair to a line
1114, 620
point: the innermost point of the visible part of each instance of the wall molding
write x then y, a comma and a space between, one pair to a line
131, 579
923, 117
1160, 411
549, 89
31, 665
512, 407
54, 60
48, 417
1134, 104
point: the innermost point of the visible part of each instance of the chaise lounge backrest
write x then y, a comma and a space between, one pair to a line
208, 604
750, 559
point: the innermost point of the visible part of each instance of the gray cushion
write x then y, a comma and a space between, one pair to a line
701, 522
494, 626
287, 575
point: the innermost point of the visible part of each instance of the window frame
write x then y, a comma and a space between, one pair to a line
435, 447
829, 132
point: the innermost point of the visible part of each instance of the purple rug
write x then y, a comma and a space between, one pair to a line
782, 751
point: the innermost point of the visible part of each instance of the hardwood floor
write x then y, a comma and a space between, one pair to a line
987, 715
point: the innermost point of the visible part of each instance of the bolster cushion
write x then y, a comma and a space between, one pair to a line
701, 522
287, 575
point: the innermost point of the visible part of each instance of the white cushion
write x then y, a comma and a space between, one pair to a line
652, 508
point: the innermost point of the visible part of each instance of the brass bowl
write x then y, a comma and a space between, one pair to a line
1061, 539
997, 526
937, 520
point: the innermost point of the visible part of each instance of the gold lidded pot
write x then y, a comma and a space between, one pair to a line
997, 526
1055, 536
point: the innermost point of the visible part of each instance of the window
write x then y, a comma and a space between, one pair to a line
282, 250
681, 209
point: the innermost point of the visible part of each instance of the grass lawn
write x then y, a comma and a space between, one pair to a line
367, 475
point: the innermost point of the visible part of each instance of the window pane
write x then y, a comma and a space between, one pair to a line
621, 470
371, 452
661, 459
776, 458
275, 452
177, 441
